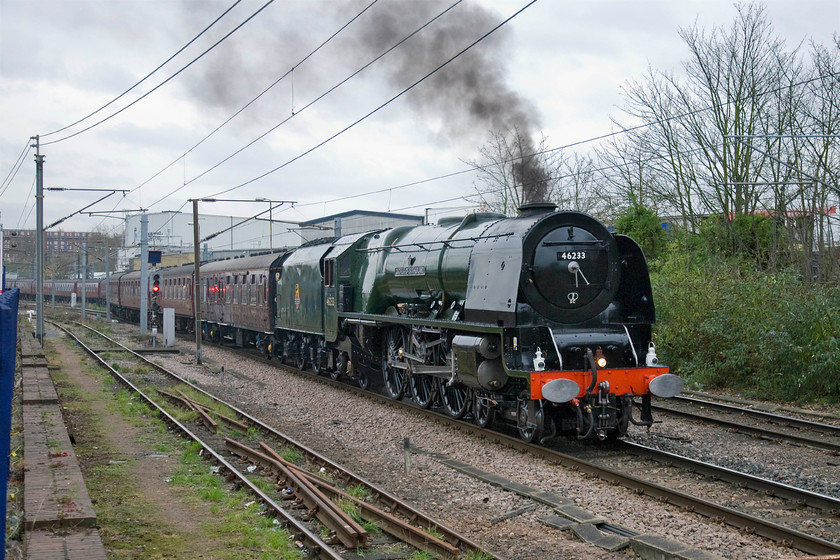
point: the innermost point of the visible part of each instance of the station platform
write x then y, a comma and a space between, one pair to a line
59, 520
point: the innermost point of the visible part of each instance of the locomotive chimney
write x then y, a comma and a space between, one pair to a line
536, 208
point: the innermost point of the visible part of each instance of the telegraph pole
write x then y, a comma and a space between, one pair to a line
107, 285
196, 284
144, 273
84, 278
39, 241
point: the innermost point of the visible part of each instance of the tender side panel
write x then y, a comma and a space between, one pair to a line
300, 295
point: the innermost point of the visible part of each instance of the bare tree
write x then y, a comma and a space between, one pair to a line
578, 188
512, 171
736, 134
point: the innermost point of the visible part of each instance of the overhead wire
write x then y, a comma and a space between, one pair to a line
252, 101
234, 115
383, 105
317, 99
147, 76
167, 80
622, 130
278, 80
601, 137
16, 167
21, 220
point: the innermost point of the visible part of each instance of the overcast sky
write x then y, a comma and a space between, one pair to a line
558, 67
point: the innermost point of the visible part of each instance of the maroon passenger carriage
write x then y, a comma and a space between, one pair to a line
176, 292
64, 289
125, 296
237, 298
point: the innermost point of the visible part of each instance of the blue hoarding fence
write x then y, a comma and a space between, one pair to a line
8, 352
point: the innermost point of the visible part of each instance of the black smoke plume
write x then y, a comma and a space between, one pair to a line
471, 96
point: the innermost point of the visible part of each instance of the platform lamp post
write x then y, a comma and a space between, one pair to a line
197, 256
196, 284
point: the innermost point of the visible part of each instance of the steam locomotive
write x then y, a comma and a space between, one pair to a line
542, 321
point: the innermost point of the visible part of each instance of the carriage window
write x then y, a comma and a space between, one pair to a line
344, 267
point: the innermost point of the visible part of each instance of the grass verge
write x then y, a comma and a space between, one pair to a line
224, 523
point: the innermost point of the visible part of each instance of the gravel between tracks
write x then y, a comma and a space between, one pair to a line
368, 439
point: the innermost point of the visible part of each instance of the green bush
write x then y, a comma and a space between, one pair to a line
645, 227
754, 237
722, 324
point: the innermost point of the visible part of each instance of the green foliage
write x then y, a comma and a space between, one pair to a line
477, 555
291, 454
358, 491
645, 227
750, 237
723, 324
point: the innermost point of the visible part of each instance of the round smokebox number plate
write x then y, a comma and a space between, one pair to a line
570, 266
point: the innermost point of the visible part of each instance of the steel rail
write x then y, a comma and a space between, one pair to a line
317, 548
345, 529
394, 504
393, 525
797, 539
761, 432
387, 522
766, 486
350, 533
802, 541
790, 421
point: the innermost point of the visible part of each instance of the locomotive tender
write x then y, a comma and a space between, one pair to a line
542, 321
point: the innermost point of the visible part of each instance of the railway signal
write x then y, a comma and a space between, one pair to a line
155, 291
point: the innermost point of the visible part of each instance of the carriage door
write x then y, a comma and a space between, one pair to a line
330, 299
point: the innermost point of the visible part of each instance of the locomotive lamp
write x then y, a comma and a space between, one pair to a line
539, 360
651, 359
600, 359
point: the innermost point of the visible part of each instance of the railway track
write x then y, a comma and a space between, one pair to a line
315, 489
757, 423
795, 503
798, 507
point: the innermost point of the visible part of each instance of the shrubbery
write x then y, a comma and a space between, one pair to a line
724, 324
643, 225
